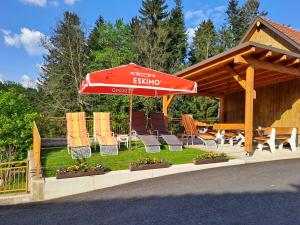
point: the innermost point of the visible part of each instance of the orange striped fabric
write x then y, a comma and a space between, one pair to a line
76, 130
102, 130
189, 124
191, 128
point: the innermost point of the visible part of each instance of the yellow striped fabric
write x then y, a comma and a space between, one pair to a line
76, 130
102, 130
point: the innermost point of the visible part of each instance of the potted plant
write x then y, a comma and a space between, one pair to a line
79, 170
148, 163
210, 157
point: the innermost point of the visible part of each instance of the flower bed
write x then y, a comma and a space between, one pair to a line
79, 170
148, 163
210, 157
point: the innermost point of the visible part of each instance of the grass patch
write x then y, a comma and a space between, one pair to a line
53, 159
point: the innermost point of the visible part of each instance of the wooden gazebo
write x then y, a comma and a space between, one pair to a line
257, 82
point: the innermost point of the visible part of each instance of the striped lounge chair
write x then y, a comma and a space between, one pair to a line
191, 131
103, 135
77, 136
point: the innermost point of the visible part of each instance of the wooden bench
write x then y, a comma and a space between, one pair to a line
280, 134
230, 131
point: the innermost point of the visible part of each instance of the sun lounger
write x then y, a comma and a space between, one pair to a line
103, 135
159, 127
139, 130
77, 136
191, 131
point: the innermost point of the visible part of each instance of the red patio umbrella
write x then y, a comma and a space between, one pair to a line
135, 80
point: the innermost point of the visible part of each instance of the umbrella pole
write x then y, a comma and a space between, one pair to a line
130, 121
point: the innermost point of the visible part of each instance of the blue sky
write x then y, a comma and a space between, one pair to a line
23, 22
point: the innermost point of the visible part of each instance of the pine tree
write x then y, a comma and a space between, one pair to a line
204, 43
238, 21
177, 47
150, 34
153, 12
63, 68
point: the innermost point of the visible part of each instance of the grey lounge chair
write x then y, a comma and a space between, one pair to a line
158, 126
139, 128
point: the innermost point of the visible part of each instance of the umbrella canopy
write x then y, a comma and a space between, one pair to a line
136, 80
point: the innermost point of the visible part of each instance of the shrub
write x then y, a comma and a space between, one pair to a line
148, 161
16, 117
80, 167
210, 155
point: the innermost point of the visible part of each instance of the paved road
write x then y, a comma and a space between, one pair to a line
263, 193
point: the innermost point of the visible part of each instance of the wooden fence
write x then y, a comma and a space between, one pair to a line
14, 176
36, 150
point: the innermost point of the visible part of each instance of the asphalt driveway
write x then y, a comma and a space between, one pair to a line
262, 193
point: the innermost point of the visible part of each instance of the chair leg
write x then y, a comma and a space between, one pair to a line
293, 145
260, 147
280, 147
272, 147
231, 141
222, 141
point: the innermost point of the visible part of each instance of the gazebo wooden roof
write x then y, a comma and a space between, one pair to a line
226, 73
268, 54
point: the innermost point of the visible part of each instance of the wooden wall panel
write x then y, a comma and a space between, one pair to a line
276, 105
265, 36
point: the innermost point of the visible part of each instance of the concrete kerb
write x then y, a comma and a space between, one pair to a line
59, 188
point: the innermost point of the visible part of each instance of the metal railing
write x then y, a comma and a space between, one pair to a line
14, 177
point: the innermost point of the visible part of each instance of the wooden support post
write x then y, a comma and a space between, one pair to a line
165, 106
222, 110
249, 108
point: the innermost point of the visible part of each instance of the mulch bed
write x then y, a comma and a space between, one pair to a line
149, 166
79, 174
207, 161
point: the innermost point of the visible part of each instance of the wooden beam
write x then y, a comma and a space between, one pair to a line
249, 109
236, 77
166, 103
294, 62
267, 65
280, 59
266, 55
215, 65
207, 94
222, 110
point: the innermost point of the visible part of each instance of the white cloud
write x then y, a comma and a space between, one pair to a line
28, 82
54, 3
29, 39
216, 14
70, 2
39, 67
190, 34
2, 78
39, 3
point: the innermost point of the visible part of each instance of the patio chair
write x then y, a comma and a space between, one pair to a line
191, 131
139, 130
103, 135
268, 138
286, 135
158, 126
77, 136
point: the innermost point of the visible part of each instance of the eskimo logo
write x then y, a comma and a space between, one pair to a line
145, 79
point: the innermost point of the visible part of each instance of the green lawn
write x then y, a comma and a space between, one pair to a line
56, 158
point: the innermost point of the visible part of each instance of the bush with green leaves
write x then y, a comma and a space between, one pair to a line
16, 117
